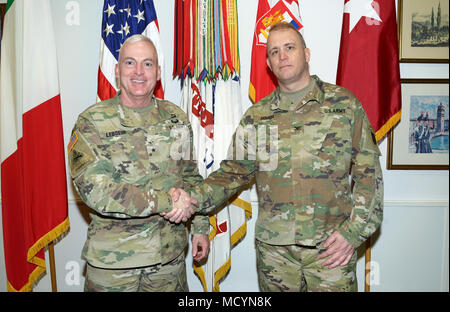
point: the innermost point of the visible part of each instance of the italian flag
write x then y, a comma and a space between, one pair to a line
33, 177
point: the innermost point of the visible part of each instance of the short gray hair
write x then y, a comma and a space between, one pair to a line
137, 38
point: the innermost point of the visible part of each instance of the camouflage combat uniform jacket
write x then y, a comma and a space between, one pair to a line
303, 169
122, 166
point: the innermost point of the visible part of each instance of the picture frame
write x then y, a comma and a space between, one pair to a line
2, 16
423, 31
420, 139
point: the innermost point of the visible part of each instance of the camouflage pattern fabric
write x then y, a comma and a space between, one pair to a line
302, 156
122, 162
170, 277
295, 268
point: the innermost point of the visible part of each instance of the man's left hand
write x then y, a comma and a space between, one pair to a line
200, 246
338, 249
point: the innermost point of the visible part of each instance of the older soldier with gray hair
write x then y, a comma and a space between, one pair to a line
311, 218
122, 163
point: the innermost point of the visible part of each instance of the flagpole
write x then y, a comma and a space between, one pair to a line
367, 267
51, 253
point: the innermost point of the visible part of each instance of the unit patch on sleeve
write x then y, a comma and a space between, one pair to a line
73, 140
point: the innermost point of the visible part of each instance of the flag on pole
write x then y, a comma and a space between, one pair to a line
206, 59
122, 19
206, 39
368, 60
270, 12
229, 224
33, 176
212, 120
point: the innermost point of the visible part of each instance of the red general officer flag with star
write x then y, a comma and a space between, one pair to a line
262, 80
368, 60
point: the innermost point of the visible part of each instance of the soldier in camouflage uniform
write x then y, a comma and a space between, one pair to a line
310, 217
126, 154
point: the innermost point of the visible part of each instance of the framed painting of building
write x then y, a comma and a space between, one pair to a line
420, 140
423, 31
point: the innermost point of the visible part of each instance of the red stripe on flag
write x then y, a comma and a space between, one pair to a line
226, 34
262, 80
34, 194
14, 228
104, 89
159, 92
187, 35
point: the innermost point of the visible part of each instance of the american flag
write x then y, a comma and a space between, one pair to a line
122, 19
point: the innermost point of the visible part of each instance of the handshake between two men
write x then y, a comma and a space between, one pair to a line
181, 206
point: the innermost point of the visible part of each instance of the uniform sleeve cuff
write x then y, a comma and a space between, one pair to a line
350, 234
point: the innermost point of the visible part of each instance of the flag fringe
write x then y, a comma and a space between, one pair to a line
235, 237
244, 205
213, 232
239, 234
388, 126
39, 262
45, 240
220, 273
33, 277
201, 275
198, 268
252, 92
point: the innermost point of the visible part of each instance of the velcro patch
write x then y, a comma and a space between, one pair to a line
115, 133
334, 110
73, 140
80, 156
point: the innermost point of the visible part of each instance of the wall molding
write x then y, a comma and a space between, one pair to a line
390, 203
387, 203
416, 203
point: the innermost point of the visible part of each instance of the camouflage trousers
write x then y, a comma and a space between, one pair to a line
156, 278
296, 268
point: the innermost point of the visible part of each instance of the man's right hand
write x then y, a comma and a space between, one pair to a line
181, 206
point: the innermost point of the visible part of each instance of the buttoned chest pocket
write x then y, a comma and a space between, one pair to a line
308, 134
128, 155
314, 152
167, 143
336, 148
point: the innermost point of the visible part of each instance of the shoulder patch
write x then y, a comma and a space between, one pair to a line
80, 155
73, 140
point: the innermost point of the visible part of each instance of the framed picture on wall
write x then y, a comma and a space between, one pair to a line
2, 16
420, 140
423, 31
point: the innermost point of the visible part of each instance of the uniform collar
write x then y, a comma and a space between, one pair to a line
131, 118
316, 94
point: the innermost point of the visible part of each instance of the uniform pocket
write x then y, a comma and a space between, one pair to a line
128, 155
